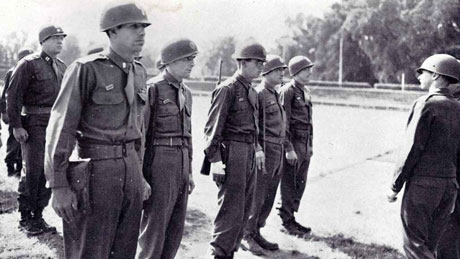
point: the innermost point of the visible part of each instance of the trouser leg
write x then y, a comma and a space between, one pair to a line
112, 228
449, 245
266, 187
293, 181
33, 193
235, 198
163, 219
425, 206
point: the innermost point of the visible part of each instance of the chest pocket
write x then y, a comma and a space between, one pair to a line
108, 109
272, 114
167, 118
43, 82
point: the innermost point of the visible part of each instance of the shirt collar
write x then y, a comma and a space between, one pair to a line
269, 87
46, 57
297, 84
442, 91
119, 61
171, 79
243, 80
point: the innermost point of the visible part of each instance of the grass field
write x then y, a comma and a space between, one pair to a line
344, 202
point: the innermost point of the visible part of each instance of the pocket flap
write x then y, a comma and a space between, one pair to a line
107, 97
78, 174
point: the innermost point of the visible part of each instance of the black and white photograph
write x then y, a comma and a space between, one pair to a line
221, 129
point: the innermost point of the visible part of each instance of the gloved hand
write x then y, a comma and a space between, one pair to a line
218, 172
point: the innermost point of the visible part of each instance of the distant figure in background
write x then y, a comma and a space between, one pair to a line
271, 137
13, 158
34, 87
296, 99
449, 245
429, 159
232, 149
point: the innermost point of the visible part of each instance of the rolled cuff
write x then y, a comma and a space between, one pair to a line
58, 180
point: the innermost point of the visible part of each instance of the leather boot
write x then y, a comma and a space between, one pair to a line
249, 244
264, 243
40, 223
26, 224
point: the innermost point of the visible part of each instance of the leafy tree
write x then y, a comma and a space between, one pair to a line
221, 49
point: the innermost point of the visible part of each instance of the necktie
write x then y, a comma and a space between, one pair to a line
306, 94
129, 88
56, 71
181, 97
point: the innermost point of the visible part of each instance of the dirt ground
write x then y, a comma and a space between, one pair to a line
344, 201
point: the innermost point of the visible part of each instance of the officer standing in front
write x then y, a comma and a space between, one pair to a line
271, 138
429, 159
13, 158
34, 86
296, 99
231, 134
101, 106
168, 156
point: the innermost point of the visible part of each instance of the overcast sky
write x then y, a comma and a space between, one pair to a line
200, 20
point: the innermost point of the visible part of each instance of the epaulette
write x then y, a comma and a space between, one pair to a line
92, 57
32, 56
155, 80
228, 82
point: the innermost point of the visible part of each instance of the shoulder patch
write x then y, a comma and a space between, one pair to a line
91, 58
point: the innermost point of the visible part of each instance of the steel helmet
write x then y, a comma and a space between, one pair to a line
251, 51
442, 64
178, 49
24, 52
49, 31
273, 62
122, 12
299, 63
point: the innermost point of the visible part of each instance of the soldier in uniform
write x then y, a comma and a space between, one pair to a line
13, 158
32, 91
428, 161
100, 106
271, 138
296, 99
168, 158
231, 134
449, 245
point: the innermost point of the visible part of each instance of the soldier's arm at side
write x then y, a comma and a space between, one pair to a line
416, 137
217, 116
20, 80
286, 98
62, 127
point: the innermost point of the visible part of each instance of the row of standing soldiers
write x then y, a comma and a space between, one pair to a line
134, 143
137, 139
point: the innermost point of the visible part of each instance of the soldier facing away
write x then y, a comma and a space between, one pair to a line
429, 157
168, 157
100, 106
13, 158
231, 135
297, 104
34, 86
271, 138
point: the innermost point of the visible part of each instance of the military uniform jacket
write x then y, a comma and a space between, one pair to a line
431, 144
234, 110
272, 125
93, 108
5, 89
168, 119
33, 83
297, 104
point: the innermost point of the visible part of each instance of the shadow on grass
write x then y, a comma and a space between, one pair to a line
356, 249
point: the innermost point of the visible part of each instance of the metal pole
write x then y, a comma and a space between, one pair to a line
340, 59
